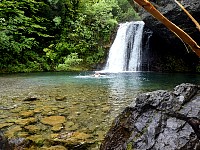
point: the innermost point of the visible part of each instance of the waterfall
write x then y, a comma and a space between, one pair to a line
125, 52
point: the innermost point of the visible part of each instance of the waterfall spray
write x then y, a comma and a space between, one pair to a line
125, 52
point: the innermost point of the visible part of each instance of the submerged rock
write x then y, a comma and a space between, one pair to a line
57, 147
26, 114
53, 120
33, 129
26, 121
159, 120
3, 125
13, 131
31, 97
74, 140
57, 127
4, 144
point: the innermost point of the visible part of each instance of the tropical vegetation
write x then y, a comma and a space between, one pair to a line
54, 35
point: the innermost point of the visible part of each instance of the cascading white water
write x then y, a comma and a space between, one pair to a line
125, 52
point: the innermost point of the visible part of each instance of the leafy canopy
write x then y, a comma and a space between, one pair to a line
38, 35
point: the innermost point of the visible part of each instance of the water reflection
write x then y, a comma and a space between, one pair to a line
89, 104
122, 90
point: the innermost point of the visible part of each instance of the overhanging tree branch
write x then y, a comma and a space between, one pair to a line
189, 15
171, 26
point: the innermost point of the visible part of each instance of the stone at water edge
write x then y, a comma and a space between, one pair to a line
4, 143
159, 120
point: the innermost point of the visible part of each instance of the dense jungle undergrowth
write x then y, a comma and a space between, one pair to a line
58, 35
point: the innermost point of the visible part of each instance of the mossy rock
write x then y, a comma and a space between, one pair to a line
12, 131
5, 125
37, 139
73, 139
57, 147
53, 120
25, 114
57, 127
38, 110
27, 121
32, 128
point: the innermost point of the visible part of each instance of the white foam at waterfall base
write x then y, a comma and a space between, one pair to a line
125, 52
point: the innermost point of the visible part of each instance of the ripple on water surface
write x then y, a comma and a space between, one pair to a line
73, 109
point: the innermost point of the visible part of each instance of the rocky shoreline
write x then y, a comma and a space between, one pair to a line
159, 120
156, 120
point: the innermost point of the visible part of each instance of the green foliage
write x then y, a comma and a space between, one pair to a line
37, 35
50, 52
70, 62
129, 146
57, 21
89, 32
20, 31
198, 68
126, 13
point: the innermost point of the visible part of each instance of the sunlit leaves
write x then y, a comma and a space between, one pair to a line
19, 29
50, 52
57, 20
88, 26
69, 62
51, 30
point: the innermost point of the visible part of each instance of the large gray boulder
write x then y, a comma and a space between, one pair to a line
160, 120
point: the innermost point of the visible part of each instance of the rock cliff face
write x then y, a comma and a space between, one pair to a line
169, 51
159, 120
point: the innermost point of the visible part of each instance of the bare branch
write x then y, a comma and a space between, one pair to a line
189, 15
171, 26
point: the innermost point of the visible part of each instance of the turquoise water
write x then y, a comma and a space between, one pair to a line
88, 103
130, 80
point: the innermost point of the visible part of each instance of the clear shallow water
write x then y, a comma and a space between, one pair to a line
89, 104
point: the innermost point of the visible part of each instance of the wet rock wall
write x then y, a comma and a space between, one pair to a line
167, 52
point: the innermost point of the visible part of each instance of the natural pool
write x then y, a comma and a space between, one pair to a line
71, 109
